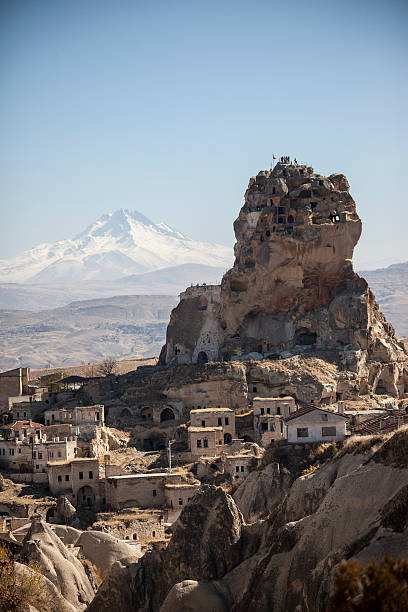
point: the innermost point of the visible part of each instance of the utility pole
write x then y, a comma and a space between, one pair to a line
169, 457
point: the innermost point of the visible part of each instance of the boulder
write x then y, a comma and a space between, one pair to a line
103, 549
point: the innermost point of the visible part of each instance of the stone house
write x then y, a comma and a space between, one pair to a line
311, 424
140, 490
25, 448
205, 441
237, 466
78, 415
77, 479
274, 405
13, 383
177, 495
269, 414
215, 417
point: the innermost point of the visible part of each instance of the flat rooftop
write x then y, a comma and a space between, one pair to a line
274, 399
205, 410
75, 460
204, 429
182, 485
145, 475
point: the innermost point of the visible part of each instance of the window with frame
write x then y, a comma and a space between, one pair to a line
226, 420
59, 478
205, 443
329, 431
67, 477
302, 432
264, 426
154, 492
81, 475
199, 444
90, 475
219, 421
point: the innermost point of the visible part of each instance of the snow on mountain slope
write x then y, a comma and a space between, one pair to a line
116, 245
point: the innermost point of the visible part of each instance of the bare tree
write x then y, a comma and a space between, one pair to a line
108, 366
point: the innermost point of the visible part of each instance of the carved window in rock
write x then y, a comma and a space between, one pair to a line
328, 431
302, 432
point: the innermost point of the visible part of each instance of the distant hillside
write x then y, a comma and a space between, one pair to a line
390, 287
166, 281
125, 327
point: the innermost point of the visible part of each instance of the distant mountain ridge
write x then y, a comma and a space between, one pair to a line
117, 245
390, 287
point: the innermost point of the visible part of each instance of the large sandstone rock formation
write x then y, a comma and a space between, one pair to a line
58, 564
354, 506
292, 288
103, 549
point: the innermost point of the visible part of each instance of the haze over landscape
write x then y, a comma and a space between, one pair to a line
203, 306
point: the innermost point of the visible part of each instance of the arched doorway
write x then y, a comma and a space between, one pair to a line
381, 388
50, 515
125, 413
167, 415
86, 496
202, 357
227, 438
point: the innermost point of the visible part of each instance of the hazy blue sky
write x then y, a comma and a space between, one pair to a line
169, 107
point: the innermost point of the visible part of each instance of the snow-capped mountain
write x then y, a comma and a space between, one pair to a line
116, 245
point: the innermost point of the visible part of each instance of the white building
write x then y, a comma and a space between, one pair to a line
311, 424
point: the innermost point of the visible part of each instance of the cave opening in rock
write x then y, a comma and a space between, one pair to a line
202, 357
167, 415
304, 337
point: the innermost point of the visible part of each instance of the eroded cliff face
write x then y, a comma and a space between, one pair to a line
354, 506
292, 287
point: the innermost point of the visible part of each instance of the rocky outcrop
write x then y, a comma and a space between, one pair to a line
292, 288
103, 549
262, 491
44, 594
354, 506
57, 564
216, 523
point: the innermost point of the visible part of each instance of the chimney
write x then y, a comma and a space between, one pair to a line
340, 407
383, 422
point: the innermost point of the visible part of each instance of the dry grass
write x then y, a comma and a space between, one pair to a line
356, 445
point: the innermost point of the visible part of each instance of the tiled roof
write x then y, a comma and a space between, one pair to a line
373, 426
20, 424
306, 409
